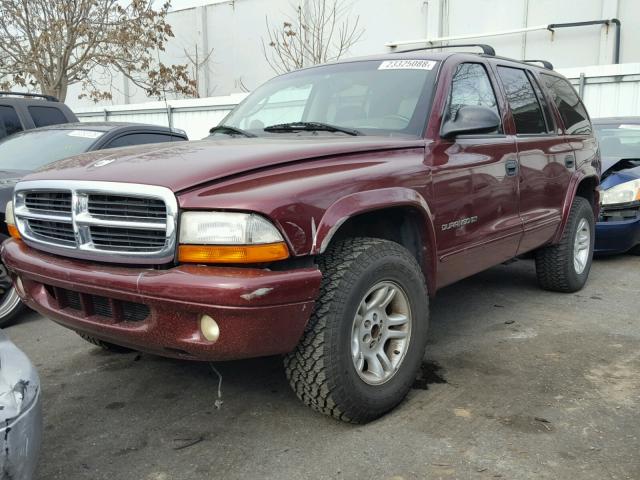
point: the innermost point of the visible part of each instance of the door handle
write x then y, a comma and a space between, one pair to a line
511, 167
569, 161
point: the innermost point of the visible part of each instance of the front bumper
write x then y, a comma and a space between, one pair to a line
617, 237
259, 312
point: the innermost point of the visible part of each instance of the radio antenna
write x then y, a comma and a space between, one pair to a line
164, 97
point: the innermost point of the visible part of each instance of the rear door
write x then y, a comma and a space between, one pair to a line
546, 160
475, 183
577, 125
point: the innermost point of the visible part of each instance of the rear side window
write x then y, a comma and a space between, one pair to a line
141, 139
9, 121
44, 116
522, 99
471, 86
574, 115
543, 102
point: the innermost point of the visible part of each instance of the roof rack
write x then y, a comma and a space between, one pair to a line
49, 98
486, 49
544, 63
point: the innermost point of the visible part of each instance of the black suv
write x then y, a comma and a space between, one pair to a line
24, 111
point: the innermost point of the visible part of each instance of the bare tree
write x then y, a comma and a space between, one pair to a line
197, 63
318, 32
51, 44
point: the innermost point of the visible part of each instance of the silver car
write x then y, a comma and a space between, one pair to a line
20, 413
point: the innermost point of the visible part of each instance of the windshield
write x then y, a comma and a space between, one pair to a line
389, 97
33, 149
619, 140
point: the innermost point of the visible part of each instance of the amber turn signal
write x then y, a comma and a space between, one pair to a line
269, 252
13, 231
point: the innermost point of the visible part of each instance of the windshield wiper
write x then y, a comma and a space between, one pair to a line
310, 127
229, 130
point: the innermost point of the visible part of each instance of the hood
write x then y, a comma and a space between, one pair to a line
616, 170
182, 165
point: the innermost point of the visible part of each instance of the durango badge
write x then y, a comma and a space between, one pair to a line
459, 223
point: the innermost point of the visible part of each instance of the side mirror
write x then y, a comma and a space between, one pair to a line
469, 120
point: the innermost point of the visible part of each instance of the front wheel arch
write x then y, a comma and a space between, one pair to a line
408, 218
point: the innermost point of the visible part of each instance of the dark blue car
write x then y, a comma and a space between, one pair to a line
618, 228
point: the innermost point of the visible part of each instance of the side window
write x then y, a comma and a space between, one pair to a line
574, 115
9, 121
471, 86
543, 102
141, 139
525, 108
43, 116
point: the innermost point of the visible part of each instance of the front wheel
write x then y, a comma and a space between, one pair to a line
564, 267
364, 343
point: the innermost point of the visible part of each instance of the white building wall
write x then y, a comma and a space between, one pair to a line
233, 30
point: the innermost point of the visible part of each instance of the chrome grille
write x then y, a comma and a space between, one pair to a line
117, 222
127, 238
126, 207
54, 202
52, 230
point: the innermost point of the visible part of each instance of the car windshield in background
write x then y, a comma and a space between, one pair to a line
33, 149
619, 140
390, 97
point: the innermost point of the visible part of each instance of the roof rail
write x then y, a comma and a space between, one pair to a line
486, 49
50, 98
544, 63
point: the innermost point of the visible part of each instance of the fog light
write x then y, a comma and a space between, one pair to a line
209, 328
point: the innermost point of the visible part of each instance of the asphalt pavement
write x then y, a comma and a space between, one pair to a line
517, 384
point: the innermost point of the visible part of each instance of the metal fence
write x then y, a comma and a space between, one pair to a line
194, 116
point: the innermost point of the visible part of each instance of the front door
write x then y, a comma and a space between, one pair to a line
475, 186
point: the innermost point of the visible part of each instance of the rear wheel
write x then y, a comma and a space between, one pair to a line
365, 340
110, 347
635, 250
565, 267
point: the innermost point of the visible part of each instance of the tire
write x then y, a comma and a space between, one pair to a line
324, 370
11, 308
110, 347
635, 250
556, 266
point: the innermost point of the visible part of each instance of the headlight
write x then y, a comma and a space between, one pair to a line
227, 237
10, 220
624, 193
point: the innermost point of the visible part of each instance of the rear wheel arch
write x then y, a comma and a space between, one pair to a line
399, 215
585, 187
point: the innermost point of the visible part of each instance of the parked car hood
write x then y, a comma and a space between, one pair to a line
183, 165
19, 382
616, 170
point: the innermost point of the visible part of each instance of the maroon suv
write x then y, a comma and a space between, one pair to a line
317, 221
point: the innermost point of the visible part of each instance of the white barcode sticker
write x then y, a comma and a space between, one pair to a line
85, 133
407, 65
